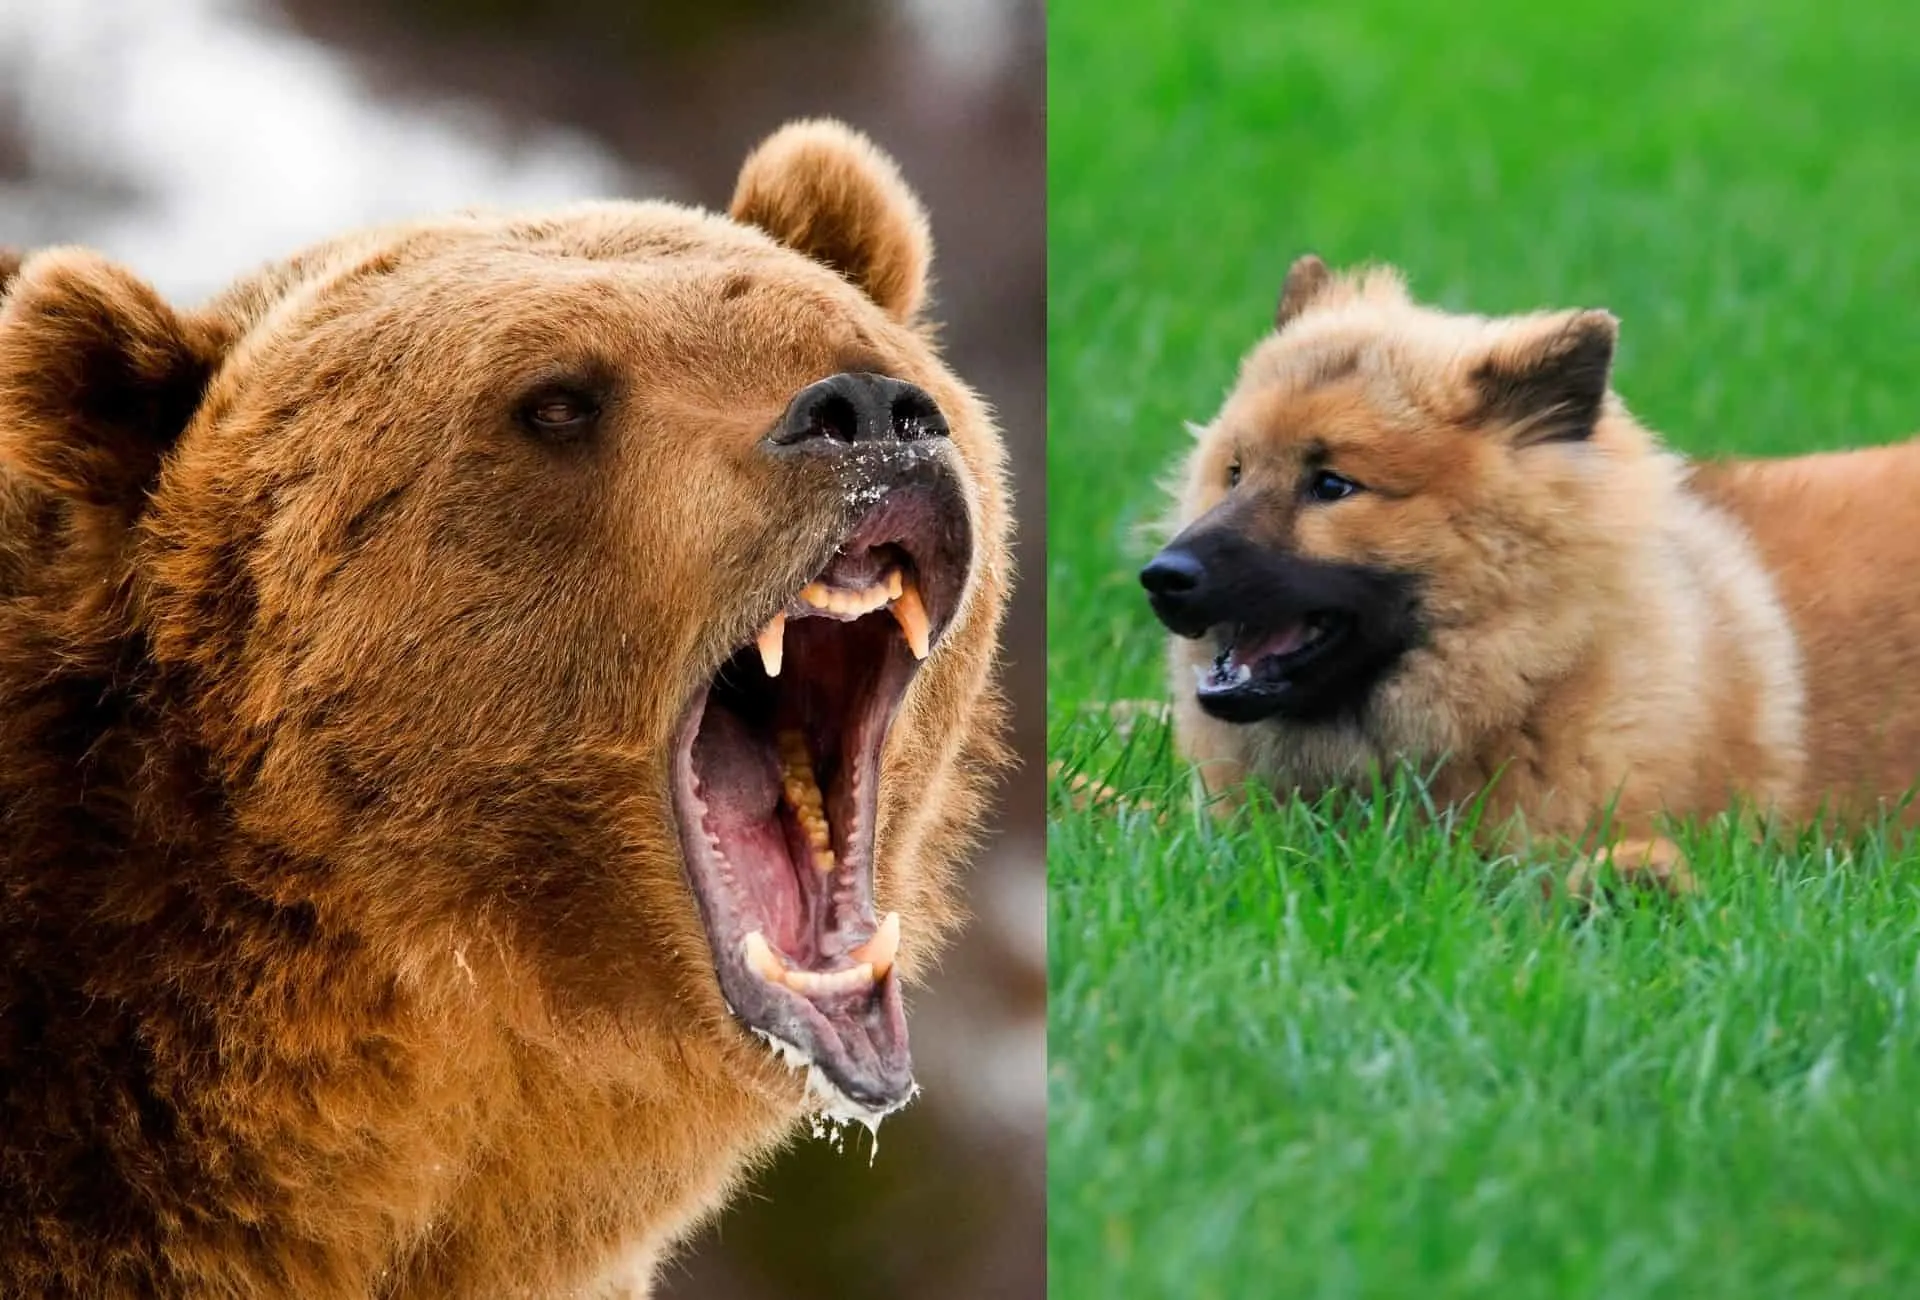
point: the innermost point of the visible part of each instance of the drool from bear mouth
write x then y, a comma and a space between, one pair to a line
776, 784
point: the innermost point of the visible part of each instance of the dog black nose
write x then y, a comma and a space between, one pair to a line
1173, 573
1176, 583
855, 407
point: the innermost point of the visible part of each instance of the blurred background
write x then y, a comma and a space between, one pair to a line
195, 138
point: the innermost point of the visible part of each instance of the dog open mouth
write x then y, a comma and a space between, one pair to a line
1257, 667
776, 784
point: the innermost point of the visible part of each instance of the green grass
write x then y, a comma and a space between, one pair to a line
1328, 1051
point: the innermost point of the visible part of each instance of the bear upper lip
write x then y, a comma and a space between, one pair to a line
776, 787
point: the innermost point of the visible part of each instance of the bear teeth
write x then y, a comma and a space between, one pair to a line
802, 793
763, 961
851, 604
773, 643
882, 948
911, 614
896, 592
857, 979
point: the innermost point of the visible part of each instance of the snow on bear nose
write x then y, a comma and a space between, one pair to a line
855, 407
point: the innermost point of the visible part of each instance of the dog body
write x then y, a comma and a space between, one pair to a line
1412, 537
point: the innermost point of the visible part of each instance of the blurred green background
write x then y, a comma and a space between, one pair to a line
1324, 1051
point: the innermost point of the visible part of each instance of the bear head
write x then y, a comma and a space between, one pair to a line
594, 610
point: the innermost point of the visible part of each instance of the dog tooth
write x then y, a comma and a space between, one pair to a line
773, 643
882, 948
912, 617
761, 959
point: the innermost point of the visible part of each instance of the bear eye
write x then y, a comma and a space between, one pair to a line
559, 413
1325, 485
1233, 474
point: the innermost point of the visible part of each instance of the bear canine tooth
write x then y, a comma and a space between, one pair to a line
912, 617
893, 584
761, 959
882, 948
773, 643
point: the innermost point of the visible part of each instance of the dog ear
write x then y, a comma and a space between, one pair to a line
827, 191
1546, 382
1306, 279
98, 377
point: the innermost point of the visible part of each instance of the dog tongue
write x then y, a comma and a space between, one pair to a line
1284, 642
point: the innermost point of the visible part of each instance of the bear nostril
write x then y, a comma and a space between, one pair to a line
915, 416
832, 416
1173, 573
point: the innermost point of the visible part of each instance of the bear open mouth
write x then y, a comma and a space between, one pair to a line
1257, 667
776, 782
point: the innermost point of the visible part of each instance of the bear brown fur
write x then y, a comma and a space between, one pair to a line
1572, 622
349, 946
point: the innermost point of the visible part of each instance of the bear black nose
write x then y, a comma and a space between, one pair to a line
856, 407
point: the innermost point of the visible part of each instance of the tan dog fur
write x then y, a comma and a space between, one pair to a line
1605, 625
348, 946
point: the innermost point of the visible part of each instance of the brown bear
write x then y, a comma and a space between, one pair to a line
489, 712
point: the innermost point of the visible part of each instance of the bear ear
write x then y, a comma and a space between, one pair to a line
1306, 278
98, 376
823, 189
1546, 382
9, 267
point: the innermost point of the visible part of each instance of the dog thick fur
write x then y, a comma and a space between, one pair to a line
348, 945
1503, 580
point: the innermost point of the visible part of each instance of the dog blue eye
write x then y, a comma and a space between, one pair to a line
1325, 485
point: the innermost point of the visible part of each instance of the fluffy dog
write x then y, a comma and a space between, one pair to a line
1415, 537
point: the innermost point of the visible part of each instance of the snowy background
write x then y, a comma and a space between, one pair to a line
195, 138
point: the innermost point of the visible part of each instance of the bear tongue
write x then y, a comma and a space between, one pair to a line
737, 773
